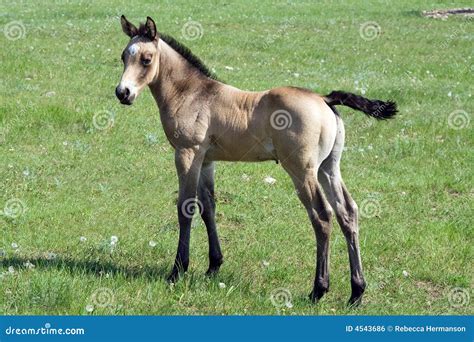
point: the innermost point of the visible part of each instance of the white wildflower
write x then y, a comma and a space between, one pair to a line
269, 180
51, 256
28, 265
113, 240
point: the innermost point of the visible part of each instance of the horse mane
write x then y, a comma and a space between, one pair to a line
183, 50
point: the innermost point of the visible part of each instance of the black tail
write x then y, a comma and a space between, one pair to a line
375, 108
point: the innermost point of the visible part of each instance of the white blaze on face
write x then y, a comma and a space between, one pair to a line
133, 49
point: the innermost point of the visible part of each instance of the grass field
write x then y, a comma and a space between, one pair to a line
62, 177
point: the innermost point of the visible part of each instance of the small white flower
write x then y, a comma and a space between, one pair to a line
83, 239
51, 256
14, 245
270, 180
89, 308
152, 243
405, 273
229, 68
245, 177
113, 240
450, 94
222, 285
28, 265
266, 263
11, 269
289, 305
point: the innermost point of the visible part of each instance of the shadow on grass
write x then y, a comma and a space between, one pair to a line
93, 267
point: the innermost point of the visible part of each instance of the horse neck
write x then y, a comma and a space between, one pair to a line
175, 80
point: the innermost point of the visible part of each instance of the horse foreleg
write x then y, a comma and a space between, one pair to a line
188, 166
206, 197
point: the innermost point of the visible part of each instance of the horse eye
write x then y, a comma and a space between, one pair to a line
146, 61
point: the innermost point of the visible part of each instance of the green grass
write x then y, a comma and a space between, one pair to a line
75, 180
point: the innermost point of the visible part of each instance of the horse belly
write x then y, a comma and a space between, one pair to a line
246, 149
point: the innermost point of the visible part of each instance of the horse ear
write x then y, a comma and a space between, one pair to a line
150, 28
128, 28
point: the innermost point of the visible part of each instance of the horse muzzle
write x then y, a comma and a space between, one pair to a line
124, 95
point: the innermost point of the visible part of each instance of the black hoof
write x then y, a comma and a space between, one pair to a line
214, 266
358, 289
317, 294
212, 271
354, 302
173, 277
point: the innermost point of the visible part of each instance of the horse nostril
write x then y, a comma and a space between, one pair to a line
118, 93
122, 93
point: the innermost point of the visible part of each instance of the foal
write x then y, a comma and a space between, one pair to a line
206, 120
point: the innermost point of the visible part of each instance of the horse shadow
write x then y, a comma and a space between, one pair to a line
97, 268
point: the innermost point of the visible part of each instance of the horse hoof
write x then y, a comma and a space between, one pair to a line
212, 271
354, 302
172, 278
315, 296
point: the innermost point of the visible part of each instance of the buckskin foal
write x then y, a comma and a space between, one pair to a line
206, 121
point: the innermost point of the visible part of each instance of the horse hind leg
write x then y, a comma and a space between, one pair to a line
329, 176
319, 212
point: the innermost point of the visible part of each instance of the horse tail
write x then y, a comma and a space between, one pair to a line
375, 108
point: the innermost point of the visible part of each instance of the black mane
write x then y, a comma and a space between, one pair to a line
184, 51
